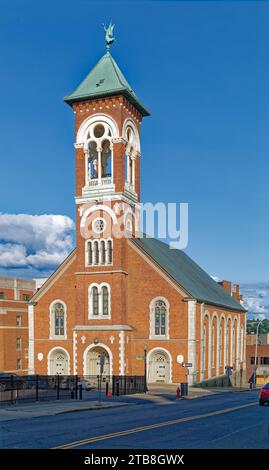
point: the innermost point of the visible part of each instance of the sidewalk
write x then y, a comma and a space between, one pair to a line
52, 408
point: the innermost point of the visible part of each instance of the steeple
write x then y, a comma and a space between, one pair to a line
105, 79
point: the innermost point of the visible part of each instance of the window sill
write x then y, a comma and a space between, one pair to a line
159, 337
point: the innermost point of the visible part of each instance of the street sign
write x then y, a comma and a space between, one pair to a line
228, 370
180, 359
187, 364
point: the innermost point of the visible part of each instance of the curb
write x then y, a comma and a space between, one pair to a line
92, 408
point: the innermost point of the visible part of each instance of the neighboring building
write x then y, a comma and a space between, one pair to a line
14, 297
116, 295
262, 373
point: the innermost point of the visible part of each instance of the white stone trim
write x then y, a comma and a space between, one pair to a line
96, 118
52, 321
192, 341
152, 319
96, 207
161, 349
93, 346
75, 335
102, 328
100, 315
130, 123
57, 348
31, 346
121, 353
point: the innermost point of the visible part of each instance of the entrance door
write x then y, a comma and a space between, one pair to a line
159, 368
94, 361
58, 363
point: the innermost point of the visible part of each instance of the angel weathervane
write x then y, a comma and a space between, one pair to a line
109, 34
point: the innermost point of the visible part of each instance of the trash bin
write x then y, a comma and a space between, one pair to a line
184, 389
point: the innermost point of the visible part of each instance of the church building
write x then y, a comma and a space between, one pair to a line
119, 293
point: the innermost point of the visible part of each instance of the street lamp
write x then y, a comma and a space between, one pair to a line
256, 351
145, 369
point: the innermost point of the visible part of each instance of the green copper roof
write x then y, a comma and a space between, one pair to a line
187, 273
105, 79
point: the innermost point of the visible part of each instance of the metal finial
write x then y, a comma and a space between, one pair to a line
109, 34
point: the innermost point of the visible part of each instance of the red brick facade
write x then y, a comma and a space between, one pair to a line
127, 290
14, 296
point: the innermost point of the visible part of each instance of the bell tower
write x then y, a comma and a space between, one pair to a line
108, 115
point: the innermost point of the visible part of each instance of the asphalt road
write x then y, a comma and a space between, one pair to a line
231, 420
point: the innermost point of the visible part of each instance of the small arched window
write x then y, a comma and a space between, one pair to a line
109, 252
160, 318
103, 252
220, 345
99, 301
95, 301
96, 252
89, 253
105, 300
57, 320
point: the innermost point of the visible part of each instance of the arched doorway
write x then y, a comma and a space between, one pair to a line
93, 361
58, 362
159, 367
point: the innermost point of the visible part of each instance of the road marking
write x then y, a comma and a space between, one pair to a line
104, 437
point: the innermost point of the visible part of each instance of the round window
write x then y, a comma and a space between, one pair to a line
99, 131
99, 225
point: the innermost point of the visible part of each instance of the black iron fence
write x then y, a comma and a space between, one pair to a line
127, 385
14, 388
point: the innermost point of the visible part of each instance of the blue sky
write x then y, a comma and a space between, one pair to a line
202, 70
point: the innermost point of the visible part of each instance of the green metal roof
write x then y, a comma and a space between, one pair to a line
105, 79
193, 279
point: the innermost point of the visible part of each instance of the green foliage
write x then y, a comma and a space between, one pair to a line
252, 326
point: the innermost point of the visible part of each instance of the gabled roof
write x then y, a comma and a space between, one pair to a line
105, 79
53, 277
187, 273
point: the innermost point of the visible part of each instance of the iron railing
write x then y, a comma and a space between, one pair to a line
14, 388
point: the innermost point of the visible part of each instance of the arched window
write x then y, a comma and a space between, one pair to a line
105, 300
213, 346
160, 318
102, 252
95, 301
58, 320
99, 301
98, 252
109, 252
220, 345
89, 253
98, 154
131, 149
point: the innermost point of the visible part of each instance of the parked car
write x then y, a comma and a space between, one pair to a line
69, 384
264, 394
11, 381
86, 384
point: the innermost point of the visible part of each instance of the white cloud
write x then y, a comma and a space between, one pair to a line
34, 242
256, 299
